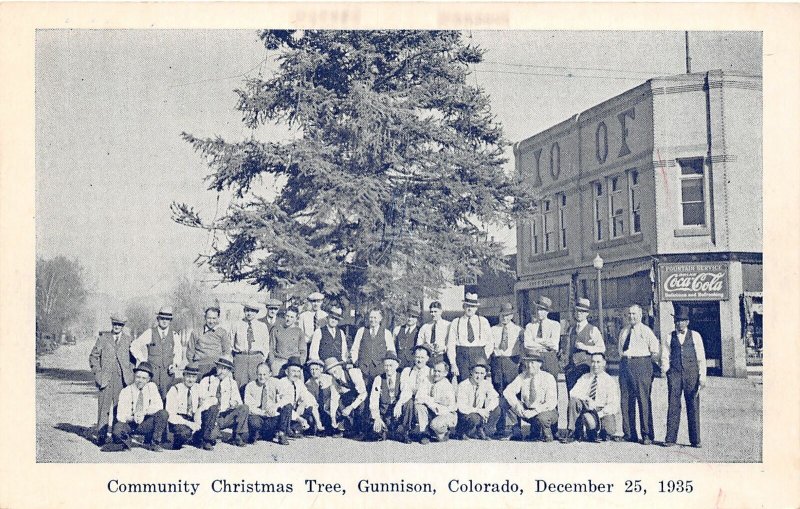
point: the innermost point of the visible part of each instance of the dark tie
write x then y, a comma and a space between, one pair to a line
316, 322
470, 332
138, 412
532, 393
433, 334
504, 339
593, 388
475, 397
539, 331
627, 340
391, 388
320, 395
189, 402
219, 393
264, 397
294, 395
250, 336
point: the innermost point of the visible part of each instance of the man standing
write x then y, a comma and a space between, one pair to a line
348, 384
140, 410
183, 407
214, 342
414, 381
320, 385
304, 406
269, 415
271, 319
683, 358
286, 340
329, 340
383, 397
507, 342
222, 406
533, 397
405, 337
639, 349
250, 344
543, 336
584, 341
478, 405
469, 339
312, 319
111, 363
370, 346
434, 333
437, 408
161, 347
593, 405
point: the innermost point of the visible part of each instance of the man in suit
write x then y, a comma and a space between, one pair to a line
469, 338
583, 341
683, 358
183, 407
112, 365
543, 336
141, 411
328, 340
383, 397
161, 346
370, 346
405, 338
269, 415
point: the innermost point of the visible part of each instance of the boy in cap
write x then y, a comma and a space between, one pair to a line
469, 338
140, 410
383, 397
478, 404
313, 318
183, 407
594, 405
269, 415
320, 385
507, 338
112, 365
286, 340
584, 340
222, 406
371, 344
533, 398
304, 406
434, 333
543, 336
161, 346
329, 340
405, 337
348, 384
213, 342
250, 344
436, 409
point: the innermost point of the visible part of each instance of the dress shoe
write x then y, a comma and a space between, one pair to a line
567, 439
238, 442
280, 438
154, 446
208, 446
668, 444
698, 445
646, 441
424, 440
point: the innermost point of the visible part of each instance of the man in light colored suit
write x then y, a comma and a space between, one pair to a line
543, 336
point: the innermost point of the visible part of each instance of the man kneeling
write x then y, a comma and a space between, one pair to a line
183, 406
383, 397
222, 406
270, 414
533, 398
593, 405
304, 407
437, 407
140, 410
478, 404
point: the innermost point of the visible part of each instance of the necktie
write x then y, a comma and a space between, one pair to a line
532, 392
294, 395
219, 393
628, 340
504, 339
470, 332
138, 412
475, 397
264, 397
316, 322
433, 335
391, 388
593, 388
539, 331
189, 402
250, 336
320, 395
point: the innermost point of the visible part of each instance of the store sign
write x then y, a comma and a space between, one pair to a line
693, 281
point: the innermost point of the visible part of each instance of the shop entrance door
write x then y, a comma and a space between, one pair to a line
704, 318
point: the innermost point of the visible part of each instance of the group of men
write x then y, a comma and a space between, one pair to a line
279, 378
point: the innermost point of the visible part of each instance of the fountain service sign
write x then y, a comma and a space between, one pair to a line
693, 281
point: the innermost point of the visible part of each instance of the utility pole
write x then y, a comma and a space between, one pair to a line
688, 58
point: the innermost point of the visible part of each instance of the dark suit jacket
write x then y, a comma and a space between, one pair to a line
105, 354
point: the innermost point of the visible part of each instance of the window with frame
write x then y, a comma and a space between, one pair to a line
548, 210
562, 220
599, 211
535, 234
634, 204
693, 194
617, 206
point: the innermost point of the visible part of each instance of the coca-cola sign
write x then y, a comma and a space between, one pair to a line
693, 281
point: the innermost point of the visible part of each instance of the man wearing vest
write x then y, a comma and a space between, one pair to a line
533, 397
505, 366
161, 347
183, 407
222, 406
584, 340
206, 347
329, 340
269, 415
250, 344
683, 358
141, 411
434, 333
304, 406
414, 381
437, 407
370, 346
271, 319
286, 340
405, 337
639, 349
543, 336
478, 405
469, 338
112, 365
348, 384
383, 397
320, 385
593, 411
312, 319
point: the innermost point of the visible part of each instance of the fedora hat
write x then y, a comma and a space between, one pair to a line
225, 362
118, 318
530, 355
544, 303
583, 304
332, 362
471, 299
315, 296
391, 356
144, 366
335, 312
479, 361
315, 362
413, 311
165, 312
506, 309
681, 314
274, 303
252, 305
191, 369
294, 360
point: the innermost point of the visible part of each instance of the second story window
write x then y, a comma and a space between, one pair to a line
535, 234
634, 204
617, 205
549, 225
562, 220
599, 211
693, 195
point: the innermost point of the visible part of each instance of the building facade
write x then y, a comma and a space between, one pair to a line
664, 182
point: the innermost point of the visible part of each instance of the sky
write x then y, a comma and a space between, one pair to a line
111, 106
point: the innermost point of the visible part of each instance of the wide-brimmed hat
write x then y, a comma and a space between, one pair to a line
544, 303
423, 347
144, 366
681, 314
506, 309
391, 356
316, 296
315, 362
274, 303
530, 355
165, 312
294, 360
118, 318
252, 305
191, 369
335, 312
332, 362
583, 304
225, 362
471, 299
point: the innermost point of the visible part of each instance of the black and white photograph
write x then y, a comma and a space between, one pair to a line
398, 246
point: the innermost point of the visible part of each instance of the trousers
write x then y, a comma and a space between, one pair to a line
635, 385
152, 427
687, 383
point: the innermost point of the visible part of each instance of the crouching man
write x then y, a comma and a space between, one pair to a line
304, 407
351, 394
383, 398
533, 398
436, 409
270, 415
594, 405
222, 406
183, 407
141, 411
478, 404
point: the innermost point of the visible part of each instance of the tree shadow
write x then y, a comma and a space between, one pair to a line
85, 432
67, 375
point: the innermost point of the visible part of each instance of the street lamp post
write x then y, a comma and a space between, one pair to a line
598, 264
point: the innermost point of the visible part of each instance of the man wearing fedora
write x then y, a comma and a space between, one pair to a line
434, 333
478, 404
329, 340
183, 407
583, 341
543, 336
348, 384
383, 399
371, 344
269, 415
112, 365
533, 398
469, 338
405, 337
161, 346
683, 358
304, 407
140, 411
222, 406
250, 344
639, 349
507, 338
593, 411
286, 340
213, 342
437, 408
313, 318
320, 385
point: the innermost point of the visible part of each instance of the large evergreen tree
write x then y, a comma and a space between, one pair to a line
395, 167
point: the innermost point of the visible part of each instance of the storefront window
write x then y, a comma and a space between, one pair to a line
693, 200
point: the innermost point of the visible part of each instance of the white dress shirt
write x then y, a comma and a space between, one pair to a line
519, 398
139, 345
440, 399
306, 322
471, 397
514, 331
459, 333
229, 396
414, 380
260, 337
643, 342
426, 335
551, 336
699, 349
177, 405
253, 393
296, 393
130, 395
606, 400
